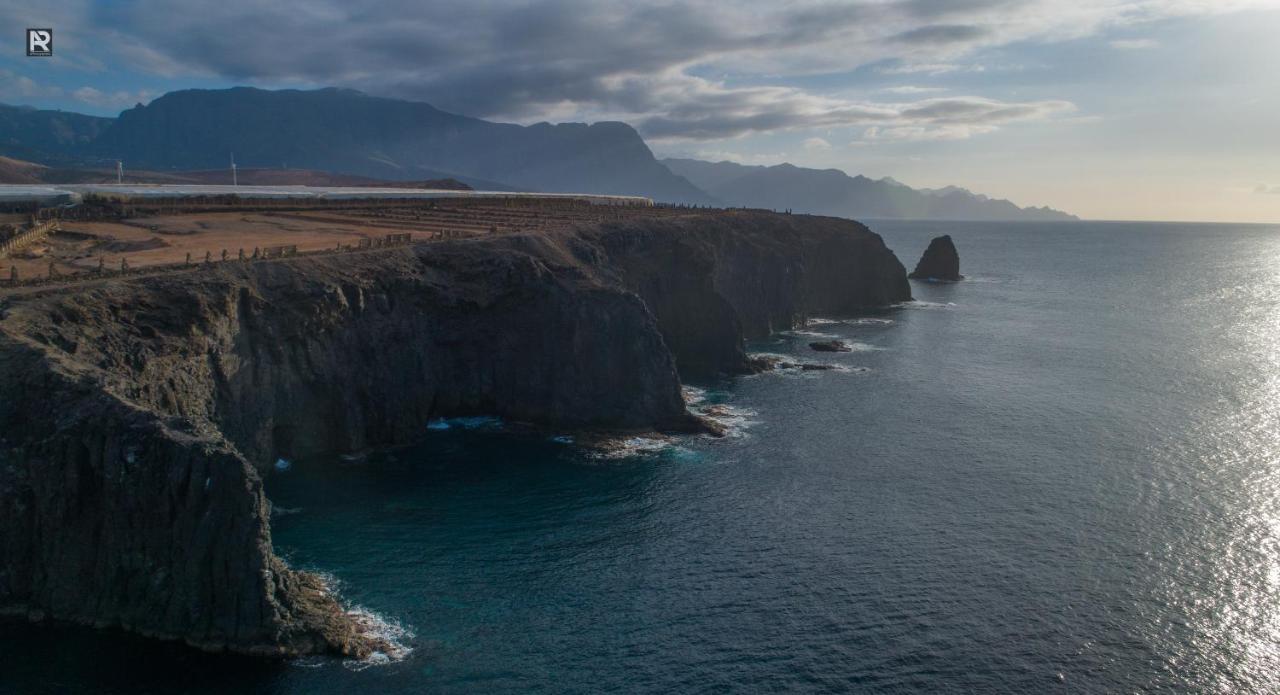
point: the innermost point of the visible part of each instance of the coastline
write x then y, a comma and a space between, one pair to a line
149, 407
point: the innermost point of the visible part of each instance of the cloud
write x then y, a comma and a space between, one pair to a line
941, 34
816, 145
114, 100
1267, 190
1134, 44
710, 111
925, 68
526, 60
22, 87
910, 89
923, 133
761, 158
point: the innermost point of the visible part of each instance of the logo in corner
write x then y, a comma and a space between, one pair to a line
40, 43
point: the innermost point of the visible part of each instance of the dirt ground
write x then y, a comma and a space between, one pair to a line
81, 246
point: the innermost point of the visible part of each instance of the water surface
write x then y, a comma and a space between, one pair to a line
1060, 474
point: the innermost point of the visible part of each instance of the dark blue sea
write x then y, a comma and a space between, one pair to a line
1062, 474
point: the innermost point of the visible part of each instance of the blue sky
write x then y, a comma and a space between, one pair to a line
1112, 109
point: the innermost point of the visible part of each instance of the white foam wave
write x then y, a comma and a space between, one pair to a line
693, 395
649, 445
920, 304
862, 321
734, 419
390, 636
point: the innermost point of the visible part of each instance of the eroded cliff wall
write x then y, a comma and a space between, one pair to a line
137, 415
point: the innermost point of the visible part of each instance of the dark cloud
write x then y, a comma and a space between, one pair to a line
941, 34
530, 59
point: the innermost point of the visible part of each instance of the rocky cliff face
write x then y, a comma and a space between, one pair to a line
939, 262
138, 415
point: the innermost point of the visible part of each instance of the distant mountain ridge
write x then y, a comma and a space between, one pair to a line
345, 131
833, 192
47, 136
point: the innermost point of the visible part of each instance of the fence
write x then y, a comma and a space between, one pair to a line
27, 237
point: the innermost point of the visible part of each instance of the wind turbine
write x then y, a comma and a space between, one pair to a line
233, 170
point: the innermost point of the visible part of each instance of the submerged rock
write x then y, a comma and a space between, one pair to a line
831, 346
939, 262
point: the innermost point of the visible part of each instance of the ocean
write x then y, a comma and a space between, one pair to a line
1062, 474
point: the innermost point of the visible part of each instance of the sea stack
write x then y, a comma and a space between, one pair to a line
939, 262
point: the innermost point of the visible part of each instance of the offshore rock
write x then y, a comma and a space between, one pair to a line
939, 262
830, 346
140, 414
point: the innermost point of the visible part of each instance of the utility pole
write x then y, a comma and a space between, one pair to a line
233, 170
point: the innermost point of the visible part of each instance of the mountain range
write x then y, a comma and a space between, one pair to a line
347, 132
833, 192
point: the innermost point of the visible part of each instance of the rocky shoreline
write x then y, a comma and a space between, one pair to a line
139, 415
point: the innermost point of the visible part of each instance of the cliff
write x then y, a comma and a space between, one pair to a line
139, 415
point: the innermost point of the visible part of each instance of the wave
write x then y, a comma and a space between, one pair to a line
693, 395
861, 321
812, 334
735, 420
390, 636
920, 304
612, 449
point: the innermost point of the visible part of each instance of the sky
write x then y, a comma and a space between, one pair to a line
1109, 109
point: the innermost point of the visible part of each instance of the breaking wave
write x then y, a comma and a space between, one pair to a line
863, 321
735, 420
390, 635
654, 445
919, 304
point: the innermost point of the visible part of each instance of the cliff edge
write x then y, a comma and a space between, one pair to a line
139, 414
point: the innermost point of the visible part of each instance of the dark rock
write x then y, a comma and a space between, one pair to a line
139, 415
831, 346
765, 363
939, 262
